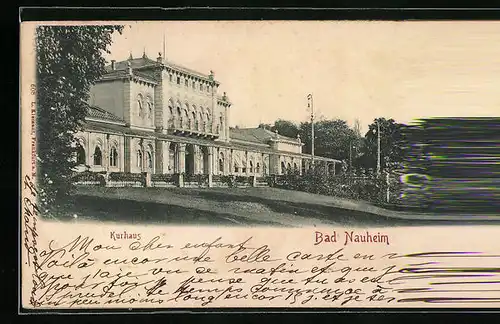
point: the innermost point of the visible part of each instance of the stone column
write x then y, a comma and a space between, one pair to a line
231, 164
159, 157
181, 156
127, 156
210, 165
195, 159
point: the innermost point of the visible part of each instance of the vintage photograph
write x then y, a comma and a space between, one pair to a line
257, 164
268, 123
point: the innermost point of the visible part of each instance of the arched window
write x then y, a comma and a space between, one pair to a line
150, 160
251, 167
113, 157
150, 109
139, 105
178, 111
200, 120
257, 168
193, 84
80, 155
289, 167
171, 108
149, 157
283, 168
139, 158
295, 167
97, 156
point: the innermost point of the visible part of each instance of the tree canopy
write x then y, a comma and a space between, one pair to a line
69, 60
393, 146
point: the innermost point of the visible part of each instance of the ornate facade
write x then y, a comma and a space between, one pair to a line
153, 116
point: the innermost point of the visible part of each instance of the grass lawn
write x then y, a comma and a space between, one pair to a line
229, 207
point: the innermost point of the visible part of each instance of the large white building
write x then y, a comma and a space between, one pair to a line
153, 116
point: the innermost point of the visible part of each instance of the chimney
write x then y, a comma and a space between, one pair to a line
159, 59
113, 67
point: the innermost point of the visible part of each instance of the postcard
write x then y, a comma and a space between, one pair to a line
259, 164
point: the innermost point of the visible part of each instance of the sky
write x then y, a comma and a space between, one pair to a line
354, 69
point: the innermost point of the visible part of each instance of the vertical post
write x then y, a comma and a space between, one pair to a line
311, 105
378, 146
388, 189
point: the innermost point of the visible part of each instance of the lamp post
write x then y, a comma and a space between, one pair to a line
351, 146
378, 146
310, 104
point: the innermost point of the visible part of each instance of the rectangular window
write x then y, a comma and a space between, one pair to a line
171, 78
178, 80
186, 82
194, 85
201, 87
243, 170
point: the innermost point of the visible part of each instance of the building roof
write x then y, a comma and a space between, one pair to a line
144, 61
134, 63
257, 135
101, 114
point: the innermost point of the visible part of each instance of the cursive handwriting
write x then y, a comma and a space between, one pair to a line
87, 272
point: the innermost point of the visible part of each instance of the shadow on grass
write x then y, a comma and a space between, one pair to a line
131, 211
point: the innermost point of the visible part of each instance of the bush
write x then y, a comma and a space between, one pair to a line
369, 187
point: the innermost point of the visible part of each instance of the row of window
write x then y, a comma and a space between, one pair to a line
193, 83
113, 160
244, 169
81, 157
288, 166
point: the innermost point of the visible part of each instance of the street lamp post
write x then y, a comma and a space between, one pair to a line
378, 146
310, 104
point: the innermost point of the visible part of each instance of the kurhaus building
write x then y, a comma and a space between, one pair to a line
153, 116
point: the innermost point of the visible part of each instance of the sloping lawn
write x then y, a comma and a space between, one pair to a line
228, 207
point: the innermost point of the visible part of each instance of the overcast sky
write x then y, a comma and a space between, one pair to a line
364, 70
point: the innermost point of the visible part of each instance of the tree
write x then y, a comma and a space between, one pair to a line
332, 139
69, 61
286, 128
393, 146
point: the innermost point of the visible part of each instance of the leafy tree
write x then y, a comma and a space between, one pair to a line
393, 146
286, 128
69, 61
332, 139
